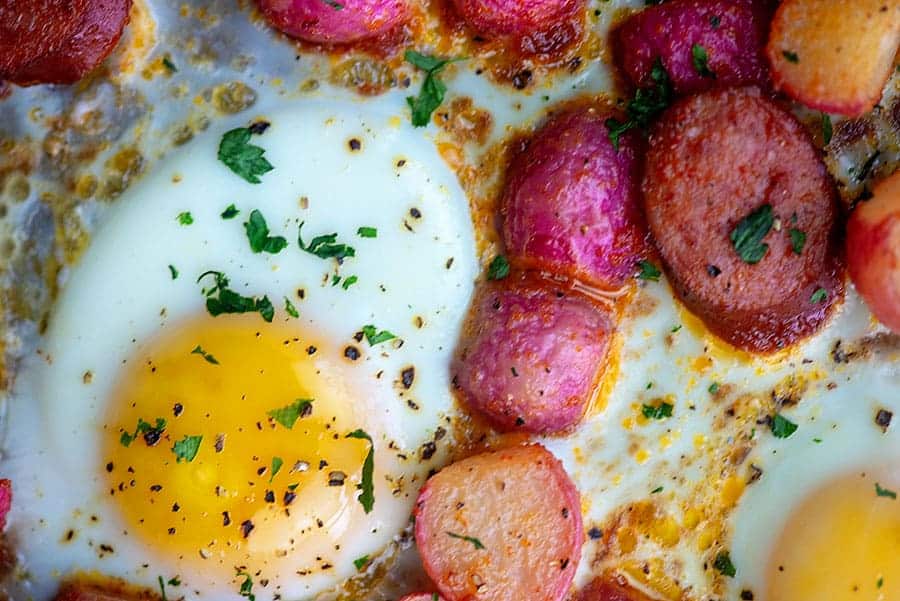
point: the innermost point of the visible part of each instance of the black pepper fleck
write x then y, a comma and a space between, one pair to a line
883, 419
246, 528
352, 353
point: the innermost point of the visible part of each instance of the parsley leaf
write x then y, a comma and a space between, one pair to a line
243, 158
361, 563
798, 240
367, 485
819, 296
290, 309
791, 56
349, 282
325, 247
469, 539
713, 388
143, 429
656, 490
198, 350
657, 412
782, 427
884, 492
173, 272
288, 416
646, 104
187, 448
221, 300
747, 236
433, 89
246, 590
277, 462
374, 337
162, 588
168, 64
499, 268
185, 218
649, 271
367, 232
230, 212
258, 235
827, 128
724, 565
701, 61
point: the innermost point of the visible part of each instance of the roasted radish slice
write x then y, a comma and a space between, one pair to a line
834, 55
873, 251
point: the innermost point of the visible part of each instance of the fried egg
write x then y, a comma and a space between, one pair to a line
248, 380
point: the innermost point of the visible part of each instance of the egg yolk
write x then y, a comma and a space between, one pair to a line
226, 443
842, 543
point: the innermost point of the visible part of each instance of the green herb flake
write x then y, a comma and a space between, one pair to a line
258, 235
817, 440
724, 565
334, 4
880, 582
168, 64
676, 328
174, 581
173, 272
325, 246
367, 485
782, 427
277, 462
230, 212
374, 337
187, 448
747, 236
645, 106
713, 388
499, 268
884, 492
648, 271
243, 158
367, 232
791, 56
656, 490
433, 89
661, 411
715, 21
360, 563
349, 281
185, 218
798, 240
142, 428
287, 416
222, 300
198, 350
469, 539
290, 309
819, 296
162, 589
827, 128
246, 589
701, 61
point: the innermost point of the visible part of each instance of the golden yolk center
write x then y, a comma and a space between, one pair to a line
842, 543
226, 442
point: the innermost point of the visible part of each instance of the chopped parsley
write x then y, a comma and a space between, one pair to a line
230, 212
701, 61
325, 246
676, 328
791, 56
288, 416
724, 565
819, 296
162, 588
884, 492
168, 64
714, 388
646, 104
290, 309
185, 218
827, 128
367, 485
334, 4
367, 232
469, 539
142, 429
715, 21
198, 350
498, 269
187, 448
258, 234
349, 281
246, 589
798, 240
649, 271
433, 89
656, 490
661, 411
782, 427
221, 300
277, 462
243, 158
374, 337
748, 234
361, 562
173, 272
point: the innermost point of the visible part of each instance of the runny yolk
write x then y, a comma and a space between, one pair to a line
841, 544
226, 443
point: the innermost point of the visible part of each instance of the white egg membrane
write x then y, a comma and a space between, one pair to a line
597, 455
